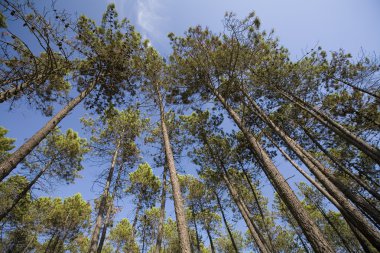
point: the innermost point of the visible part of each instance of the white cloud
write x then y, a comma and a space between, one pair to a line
149, 18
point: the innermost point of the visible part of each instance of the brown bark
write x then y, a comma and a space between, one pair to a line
358, 180
23, 193
15, 158
310, 229
103, 204
196, 231
346, 216
160, 232
332, 185
340, 130
178, 201
226, 223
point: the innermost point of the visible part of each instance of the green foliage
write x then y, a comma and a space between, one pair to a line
6, 144
122, 237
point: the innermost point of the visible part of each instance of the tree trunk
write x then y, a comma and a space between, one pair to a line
109, 211
211, 242
332, 185
22, 194
226, 223
311, 231
269, 234
15, 158
160, 233
367, 149
103, 204
136, 218
196, 231
358, 180
183, 233
357, 234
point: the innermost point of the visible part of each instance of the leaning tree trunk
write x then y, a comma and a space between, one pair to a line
211, 241
103, 203
160, 232
269, 234
23, 193
340, 130
183, 233
226, 223
310, 229
358, 180
15, 158
332, 185
109, 211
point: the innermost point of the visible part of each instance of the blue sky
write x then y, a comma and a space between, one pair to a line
299, 24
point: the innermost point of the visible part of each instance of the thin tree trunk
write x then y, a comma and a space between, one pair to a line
357, 234
310, 229
269, 234
211, 242
332, 185
299, 235
226, 223
367, 149
183, 232
358, 88
358, 180
22, 194
103, 203
15, 158
196, 231
160, 233
344, 241
109, 211
135, 219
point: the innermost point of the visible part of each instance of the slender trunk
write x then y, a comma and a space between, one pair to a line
226, 223
196, 231
50, 241
162, 213
299, 235
12, 92
103, 204
258, 239
244, 212
143, 239
358, 180
269, 234
104, 230
364, 243
22, 194
211, 242
310, 229
343, 211
358, 88
340, 130
136, 218
344, 241
332, 185
183, 233
109, 211
15, 158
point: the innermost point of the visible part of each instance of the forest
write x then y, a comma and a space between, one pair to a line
234, 106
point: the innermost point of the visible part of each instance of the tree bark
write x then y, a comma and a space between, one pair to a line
358, 180
340, 130
211, 242
178, 201
22, 194
8, 94
357, 234
310, 229
332, 185
103, 203
160, 233
135, 219
226, 223
14, 159
196, 231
